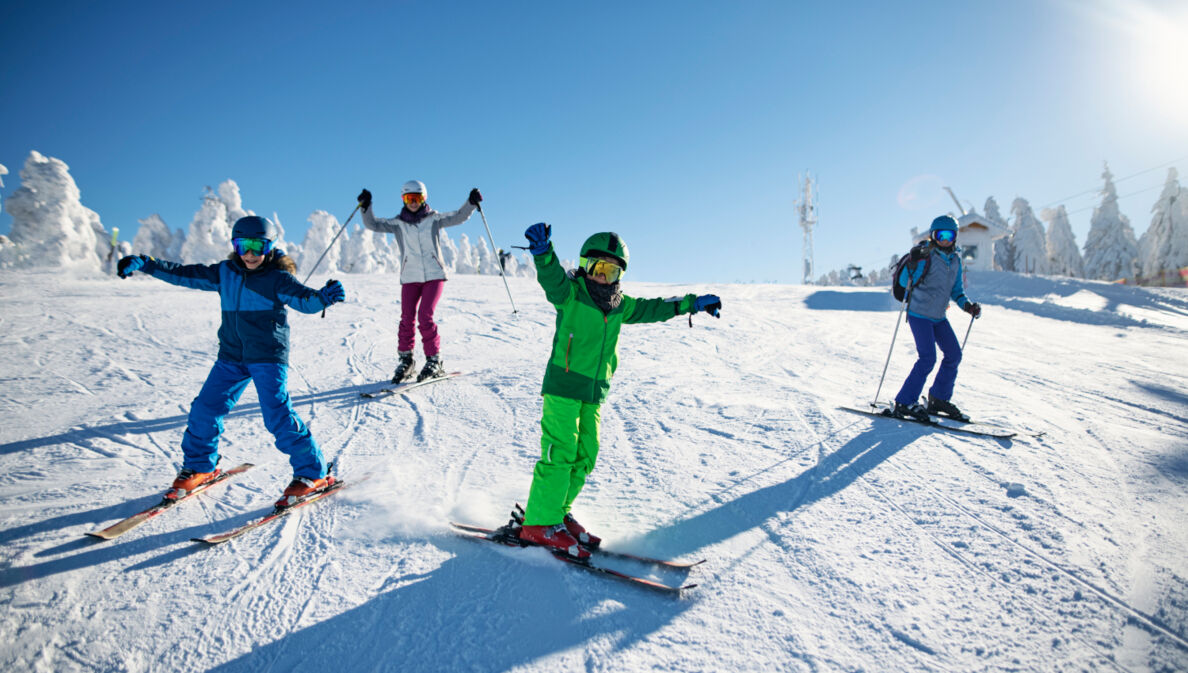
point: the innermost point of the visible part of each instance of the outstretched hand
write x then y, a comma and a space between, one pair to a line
710, 303
129, 264
538, 238
475, 197
332, 292
364, 199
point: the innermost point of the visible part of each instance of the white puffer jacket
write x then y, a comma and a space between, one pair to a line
420, 243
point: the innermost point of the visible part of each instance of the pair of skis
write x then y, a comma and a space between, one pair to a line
509, 535
401, 388
943, 423
119, 528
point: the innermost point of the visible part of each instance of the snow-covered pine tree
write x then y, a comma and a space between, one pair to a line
358, 252
50, 225
1004, 252
209, 238
1028, 239
155, 240
1111, 253
467, 260
322, 228
1064, 256
1163, 249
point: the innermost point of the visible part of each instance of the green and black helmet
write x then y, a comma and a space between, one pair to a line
605, 244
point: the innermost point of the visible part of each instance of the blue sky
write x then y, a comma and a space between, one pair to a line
681, 125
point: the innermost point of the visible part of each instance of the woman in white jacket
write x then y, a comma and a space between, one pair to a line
422, 272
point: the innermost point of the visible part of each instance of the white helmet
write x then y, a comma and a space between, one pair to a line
414, 187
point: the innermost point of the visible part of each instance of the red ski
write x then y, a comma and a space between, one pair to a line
499, 536
135, 520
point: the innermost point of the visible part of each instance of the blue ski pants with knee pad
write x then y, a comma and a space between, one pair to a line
224, 385
928, 335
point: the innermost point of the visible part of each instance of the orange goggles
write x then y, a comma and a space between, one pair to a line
413, 199
606, 268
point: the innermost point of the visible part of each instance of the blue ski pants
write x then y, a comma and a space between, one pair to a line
224, 385
928, 336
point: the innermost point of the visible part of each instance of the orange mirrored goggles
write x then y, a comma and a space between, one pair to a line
606, 268
414, 198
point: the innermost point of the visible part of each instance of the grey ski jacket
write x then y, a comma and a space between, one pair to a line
418, 239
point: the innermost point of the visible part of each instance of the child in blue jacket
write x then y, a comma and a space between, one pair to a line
934, 276
254, 283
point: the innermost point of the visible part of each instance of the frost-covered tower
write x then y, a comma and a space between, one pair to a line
807, 208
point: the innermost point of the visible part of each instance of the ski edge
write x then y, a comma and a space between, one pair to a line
124, 525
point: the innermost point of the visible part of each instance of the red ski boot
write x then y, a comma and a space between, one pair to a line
579, 533
188, 480
554, 537
301, 488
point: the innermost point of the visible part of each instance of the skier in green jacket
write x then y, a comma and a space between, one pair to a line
590, 311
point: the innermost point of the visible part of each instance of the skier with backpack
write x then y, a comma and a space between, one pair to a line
927, 278
254, 283
422, 271
591, 309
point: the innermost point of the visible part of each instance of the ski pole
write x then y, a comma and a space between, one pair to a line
906, 297
340, 230
501, 273
967, 329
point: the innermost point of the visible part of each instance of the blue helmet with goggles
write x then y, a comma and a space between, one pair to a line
253, 234
944, 229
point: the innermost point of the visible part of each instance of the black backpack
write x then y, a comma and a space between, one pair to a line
900, 291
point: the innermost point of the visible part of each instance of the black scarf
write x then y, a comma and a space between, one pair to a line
606, 297
409, 216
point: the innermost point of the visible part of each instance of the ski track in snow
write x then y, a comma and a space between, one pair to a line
833, 542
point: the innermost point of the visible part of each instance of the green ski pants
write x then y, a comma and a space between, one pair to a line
568, 449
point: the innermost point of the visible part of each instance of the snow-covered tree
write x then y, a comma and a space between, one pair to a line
291, 249
323, 227
1163, 249
1028, 239
358, 252
449, 252
1111, 252
387, 255
1004, 251
1064, 256
50, 226
488, 264
209, 237
467, 261
154, 239
3, 172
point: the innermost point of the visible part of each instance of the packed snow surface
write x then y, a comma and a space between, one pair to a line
833, 542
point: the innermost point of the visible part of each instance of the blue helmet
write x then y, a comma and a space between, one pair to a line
944, 223
254, 226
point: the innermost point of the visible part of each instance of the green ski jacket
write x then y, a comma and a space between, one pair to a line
585, 350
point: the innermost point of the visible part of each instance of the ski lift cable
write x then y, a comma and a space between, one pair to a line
1096, 190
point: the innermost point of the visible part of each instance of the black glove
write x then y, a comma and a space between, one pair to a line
129, 264
973, 308
475, 197
364, 199
920, 252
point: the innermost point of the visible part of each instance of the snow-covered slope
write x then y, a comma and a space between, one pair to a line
834, 542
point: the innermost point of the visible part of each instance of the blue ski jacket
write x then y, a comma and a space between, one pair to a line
930, 297
255, 327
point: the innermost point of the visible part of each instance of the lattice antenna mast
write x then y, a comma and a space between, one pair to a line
806, 207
